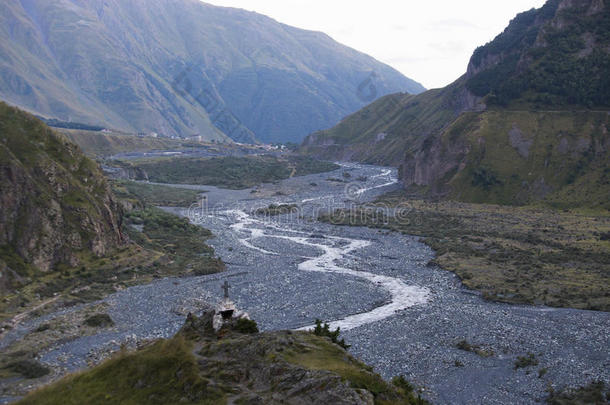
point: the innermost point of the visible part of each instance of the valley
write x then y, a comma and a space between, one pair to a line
400, 313
202, 205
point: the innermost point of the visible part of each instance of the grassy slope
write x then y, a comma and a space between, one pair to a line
163, 373
214, 371
101, 144
517, 255
566, 164
153, 194
229, 172
56, 201
403, 120
167, 245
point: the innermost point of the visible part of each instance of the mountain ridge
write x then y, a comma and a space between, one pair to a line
180, 67
551, 65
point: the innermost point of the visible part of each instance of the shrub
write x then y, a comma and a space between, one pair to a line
401, 382
99, 321
324, 330
244, 325
526, 361
28, 368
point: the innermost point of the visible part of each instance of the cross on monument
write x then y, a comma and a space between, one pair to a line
226, 287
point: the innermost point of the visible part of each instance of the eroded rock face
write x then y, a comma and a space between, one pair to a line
55, 201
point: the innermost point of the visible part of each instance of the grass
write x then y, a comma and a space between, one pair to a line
200, 366
321, 354
228, 172
467, 347
595, 393
277, 209
531, 255
183, 244
100, 144
167, 246
163, 373
526, 361
27, 368
154, 194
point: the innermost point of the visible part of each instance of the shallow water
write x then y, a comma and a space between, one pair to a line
399, 315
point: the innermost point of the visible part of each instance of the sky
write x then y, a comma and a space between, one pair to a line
429, 41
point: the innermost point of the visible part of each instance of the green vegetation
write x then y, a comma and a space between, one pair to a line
55, 123
153, 194
200, 366
182, 243
57, 208
570, 68
277, 209
244, 325
383, 131
467, 347
27, 368
518, 255
551, 158
595, 393
526, 361
165, 372
228, 172
324, 330
99, 321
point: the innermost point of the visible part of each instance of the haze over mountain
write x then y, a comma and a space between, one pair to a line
528, 121
182, 67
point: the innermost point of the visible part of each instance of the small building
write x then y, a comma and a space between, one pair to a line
226, 311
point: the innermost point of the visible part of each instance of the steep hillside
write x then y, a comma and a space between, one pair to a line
181, 67
528, 121
54, 203
236, 365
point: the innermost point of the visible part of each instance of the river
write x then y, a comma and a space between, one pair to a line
400, 314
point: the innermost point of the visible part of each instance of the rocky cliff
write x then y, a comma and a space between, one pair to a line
528, 121
55, 202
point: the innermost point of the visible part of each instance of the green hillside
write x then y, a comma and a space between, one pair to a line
233, 366
55, 202
180, 68
528, 121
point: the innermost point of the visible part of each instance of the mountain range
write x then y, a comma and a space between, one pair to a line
182, 68
527, 122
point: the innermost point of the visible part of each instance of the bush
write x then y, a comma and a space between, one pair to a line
324, 330
401, 382
28, 368
244, 325
526, 361
591, 394
99, 321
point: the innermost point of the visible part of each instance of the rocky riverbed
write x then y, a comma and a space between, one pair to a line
400, 314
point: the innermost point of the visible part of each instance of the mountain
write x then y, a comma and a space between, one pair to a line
528, 121
182, 67
55, 202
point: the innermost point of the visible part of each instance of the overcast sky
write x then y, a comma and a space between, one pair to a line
430, 41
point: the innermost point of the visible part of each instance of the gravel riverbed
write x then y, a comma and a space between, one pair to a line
399, 314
